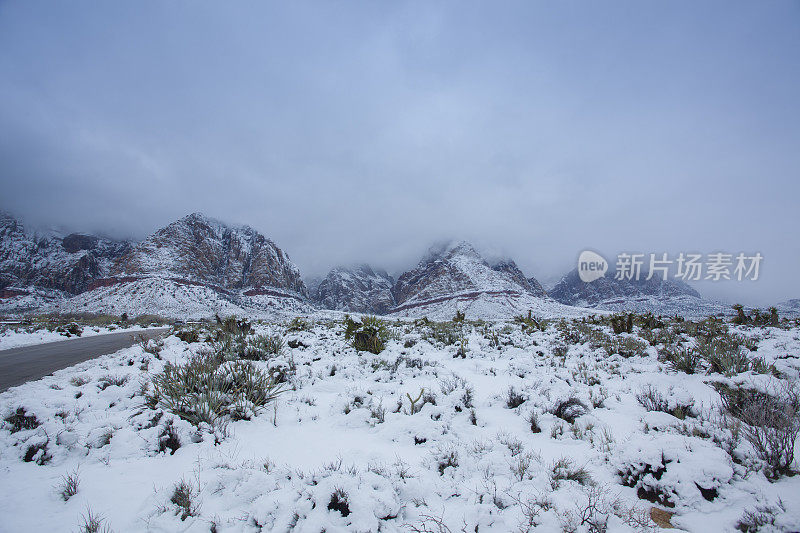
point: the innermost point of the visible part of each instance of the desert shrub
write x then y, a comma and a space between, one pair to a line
168, 439
188, 335
760, 518
446, 333
570, 409
514, 399
725, 354
233, 325
183, 497
339, 502
93, 523
521, 465
369, 335
772, 425
37, 453
528, 323
19, 420
79, 381
299, 324
533, 420
653, 400
682, 359
69, 485
262, 347
735, 399
626, 346
565, 470
68, 330
110, 380
622, 323
206, 389
445, 459
757, 317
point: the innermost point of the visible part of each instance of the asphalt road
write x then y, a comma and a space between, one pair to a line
27, 363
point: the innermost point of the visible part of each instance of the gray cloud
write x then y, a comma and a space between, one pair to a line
366, 131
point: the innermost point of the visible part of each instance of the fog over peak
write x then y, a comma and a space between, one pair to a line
352, 133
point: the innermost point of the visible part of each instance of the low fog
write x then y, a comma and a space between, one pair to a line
364, 132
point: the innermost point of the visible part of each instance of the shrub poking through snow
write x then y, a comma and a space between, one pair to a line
69, 485
533, 420
369, 335
339, 502
682, 359
205, 390
262, 347
514, 399
93, 523
299, 324
188, 335
37, 453
570, 409
626, 346
19, 420
168, 439
772, 425
183, 497
445, 459
622, 323
724, 352
565, 470
653, 400
68, 330
760, 518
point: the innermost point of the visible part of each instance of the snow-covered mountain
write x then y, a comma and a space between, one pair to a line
199, 249
195, 267
456, 277
361, 290
66, 264
656, 295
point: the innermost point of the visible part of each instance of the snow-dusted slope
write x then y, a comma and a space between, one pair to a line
360, 290
193, 267
456, 277
657, 296
53, 262
200, 249
172, 298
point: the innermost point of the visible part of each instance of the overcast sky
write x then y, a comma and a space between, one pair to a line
364, 131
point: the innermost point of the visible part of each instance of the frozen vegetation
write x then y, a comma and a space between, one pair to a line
608, 423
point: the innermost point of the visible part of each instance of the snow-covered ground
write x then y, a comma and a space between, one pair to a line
14, 338
467, 460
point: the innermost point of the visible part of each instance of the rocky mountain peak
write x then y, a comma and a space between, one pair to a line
457, 268
359, 289
204, 250
572, 291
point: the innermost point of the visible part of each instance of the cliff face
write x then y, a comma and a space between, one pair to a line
360, 290
456, 269
572, 291
67, 264
202, 250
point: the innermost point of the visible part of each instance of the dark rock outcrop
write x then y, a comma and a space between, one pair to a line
572, 291
203, 250
360, 290
456, 268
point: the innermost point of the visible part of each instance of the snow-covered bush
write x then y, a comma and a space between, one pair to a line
772, 425
673, 470
369, 335
205, 389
